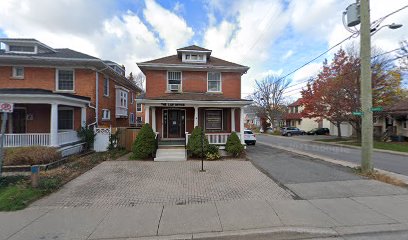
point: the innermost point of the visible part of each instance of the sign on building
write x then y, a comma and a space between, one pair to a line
6, 107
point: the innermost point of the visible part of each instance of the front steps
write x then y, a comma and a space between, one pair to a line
167, 153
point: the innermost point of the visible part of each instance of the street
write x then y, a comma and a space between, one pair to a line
385, 161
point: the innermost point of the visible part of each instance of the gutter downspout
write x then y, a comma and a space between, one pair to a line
96, 98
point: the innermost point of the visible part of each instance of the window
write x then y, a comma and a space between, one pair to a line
106, 86
213, 119
138, 107
173, 80
405, 124
375, 120
105, 114
17, 72
188, 57
123, 99
139, 119
16, 48
214, 82
132, 118
296, 109
65, 80
65, 119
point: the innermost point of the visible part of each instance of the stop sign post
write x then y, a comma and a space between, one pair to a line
5, 108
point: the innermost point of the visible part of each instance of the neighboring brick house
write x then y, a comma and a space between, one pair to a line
56, 91
193, 88
140, 113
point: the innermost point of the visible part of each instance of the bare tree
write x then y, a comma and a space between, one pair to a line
139, 79
269, 99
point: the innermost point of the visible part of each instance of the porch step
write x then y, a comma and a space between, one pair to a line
170, 154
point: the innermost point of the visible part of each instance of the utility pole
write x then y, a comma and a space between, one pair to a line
366, 88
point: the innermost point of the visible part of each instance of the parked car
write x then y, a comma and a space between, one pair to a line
249, 137
289, 131
319, 131
269, 130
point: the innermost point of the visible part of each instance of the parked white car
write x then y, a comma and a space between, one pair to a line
249, 137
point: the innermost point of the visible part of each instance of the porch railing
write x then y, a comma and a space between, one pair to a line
215, 138
26, 139
67, 137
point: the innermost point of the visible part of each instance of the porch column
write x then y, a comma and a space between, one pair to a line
83, 117
54, 125
241, 127
232, 119
147, 114
195, 116
154, 119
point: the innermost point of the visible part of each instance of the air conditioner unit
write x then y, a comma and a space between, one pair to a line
174, 87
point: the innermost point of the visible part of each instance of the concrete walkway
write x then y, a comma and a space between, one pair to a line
291, 218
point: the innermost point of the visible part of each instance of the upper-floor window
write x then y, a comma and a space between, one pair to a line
214, 82
174, 81
105, 114
405, 124
65, 80
18, 48
138, 107
296, 109
132, 118
18, 72
123, 99
106, 86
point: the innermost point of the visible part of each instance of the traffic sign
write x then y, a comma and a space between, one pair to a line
6, 107
377, 109
358, 113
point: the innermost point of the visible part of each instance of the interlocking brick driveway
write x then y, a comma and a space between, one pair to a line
127, 183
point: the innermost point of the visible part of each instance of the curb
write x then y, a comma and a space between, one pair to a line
338, 145
400, 177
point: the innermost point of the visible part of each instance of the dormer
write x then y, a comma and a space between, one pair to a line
193, 54
116, 67
25, 46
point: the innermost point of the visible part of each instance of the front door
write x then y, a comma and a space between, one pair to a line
19, 120
175, 123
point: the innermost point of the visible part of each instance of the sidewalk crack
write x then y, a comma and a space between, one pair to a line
158, 225
219, 218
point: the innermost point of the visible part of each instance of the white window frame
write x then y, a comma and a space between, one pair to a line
125, 97
141, 107
14, 72
132, 118
106, 83
200, 57
25, 52
57, 79
103, 114
222, 119
406, 124
181, 81
73, 117
208, 74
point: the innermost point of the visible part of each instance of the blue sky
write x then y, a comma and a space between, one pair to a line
270, 36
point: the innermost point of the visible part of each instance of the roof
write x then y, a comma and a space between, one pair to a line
292, 116
36, 91
60, 53
296, 103
194, 48
19, 39
212, 61
196, 97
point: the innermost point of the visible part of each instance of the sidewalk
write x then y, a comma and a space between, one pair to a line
291, 218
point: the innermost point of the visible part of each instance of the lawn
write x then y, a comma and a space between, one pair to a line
16, 192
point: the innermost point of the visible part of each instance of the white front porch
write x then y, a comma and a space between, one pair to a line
39, 139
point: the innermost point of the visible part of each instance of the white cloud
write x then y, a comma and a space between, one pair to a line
307, 72
287, 55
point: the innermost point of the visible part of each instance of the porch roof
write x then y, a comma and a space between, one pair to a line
196, 97
42, 96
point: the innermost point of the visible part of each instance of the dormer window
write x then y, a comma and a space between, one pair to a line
194, 57
25, 49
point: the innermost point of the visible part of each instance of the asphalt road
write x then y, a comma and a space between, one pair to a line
287, 168
385, 161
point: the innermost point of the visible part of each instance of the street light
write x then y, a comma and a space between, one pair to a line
390, 26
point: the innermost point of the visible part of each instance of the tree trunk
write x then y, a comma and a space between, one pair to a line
338, 129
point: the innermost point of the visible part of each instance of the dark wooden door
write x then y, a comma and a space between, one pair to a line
175, 123
19, 121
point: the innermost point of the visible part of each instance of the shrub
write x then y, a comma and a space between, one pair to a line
234, 145
87, 135
212, 149
145, 143
194, 143
212, 156
49, 184
276, 132
30, 155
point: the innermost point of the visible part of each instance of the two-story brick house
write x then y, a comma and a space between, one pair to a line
193, 88
56, 91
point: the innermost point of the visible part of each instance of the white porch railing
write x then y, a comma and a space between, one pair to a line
215, 138
26, 139
67, 137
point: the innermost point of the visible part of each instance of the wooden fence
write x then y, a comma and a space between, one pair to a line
126, 137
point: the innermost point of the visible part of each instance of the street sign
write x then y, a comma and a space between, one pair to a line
6, 107
358, 113
377, 109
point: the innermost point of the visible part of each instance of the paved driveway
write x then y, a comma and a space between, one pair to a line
128, 183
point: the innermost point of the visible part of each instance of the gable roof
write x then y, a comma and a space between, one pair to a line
296, 103
193, 48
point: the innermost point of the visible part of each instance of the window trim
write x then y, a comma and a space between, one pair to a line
130, 118
73, 118
14, 71
406, 124
106, 110
57, 79
141, 107
222, 119
220, 91
107, 86
131, 99
181, 81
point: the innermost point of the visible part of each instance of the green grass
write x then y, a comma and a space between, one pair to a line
333, 140
16, 197
392, 146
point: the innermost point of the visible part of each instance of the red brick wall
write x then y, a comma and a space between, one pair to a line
156, 83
